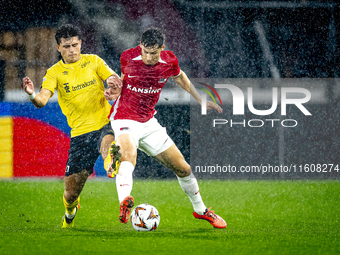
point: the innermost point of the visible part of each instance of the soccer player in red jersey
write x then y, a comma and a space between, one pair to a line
145, 70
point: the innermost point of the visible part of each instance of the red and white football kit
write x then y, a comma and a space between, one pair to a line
134, 109
132, 114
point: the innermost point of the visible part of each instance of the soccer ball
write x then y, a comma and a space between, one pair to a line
145, 217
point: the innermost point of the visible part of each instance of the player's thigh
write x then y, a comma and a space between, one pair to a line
128, 148
154, 139
83, 153
173, 159
105, 145
105, 139
127, 135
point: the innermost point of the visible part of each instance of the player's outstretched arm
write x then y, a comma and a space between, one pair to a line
183, 81
39, 100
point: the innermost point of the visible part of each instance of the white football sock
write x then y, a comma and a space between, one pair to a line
124, 180
190, 186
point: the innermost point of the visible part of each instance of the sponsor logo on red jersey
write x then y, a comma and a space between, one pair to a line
144, 90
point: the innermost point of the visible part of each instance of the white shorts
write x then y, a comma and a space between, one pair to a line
150, 136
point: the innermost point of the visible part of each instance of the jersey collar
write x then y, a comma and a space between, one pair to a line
73, 64
160, 60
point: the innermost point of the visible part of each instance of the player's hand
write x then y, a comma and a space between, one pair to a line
27, 85
112, 93
212, 105
114, 81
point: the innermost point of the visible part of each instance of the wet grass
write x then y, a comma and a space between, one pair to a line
264, 217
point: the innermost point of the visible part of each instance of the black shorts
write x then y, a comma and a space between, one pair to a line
85, 149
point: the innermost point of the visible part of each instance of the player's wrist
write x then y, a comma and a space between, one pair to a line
32, 96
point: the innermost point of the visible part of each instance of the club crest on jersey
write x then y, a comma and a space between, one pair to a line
65, 73
162, 80
85, 64
144, 90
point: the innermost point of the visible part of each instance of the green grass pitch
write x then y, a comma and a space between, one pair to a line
263, 217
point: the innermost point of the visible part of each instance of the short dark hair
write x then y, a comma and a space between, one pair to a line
152, 37
67, 31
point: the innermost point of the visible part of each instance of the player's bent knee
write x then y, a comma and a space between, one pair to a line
130, 156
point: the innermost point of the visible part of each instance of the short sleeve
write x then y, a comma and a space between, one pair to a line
175, 69
49, 81
103, 70
123, 61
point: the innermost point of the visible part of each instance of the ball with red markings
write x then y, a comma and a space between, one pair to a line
145, 217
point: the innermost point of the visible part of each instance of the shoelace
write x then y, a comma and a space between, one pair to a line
211, 214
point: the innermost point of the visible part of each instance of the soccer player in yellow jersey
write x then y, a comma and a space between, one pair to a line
78, 79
